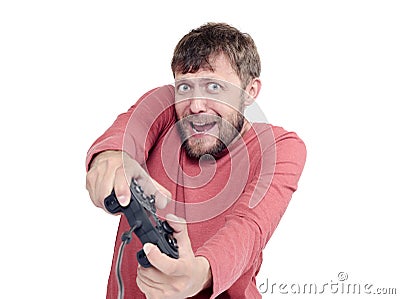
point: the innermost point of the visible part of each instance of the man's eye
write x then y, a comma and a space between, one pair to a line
213, 87
183, 88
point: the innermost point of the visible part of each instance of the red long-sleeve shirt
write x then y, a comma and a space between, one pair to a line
232, 203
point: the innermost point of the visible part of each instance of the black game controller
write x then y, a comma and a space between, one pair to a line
141, 214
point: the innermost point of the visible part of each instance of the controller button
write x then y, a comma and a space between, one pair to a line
167, 228
152, 199
138, 189
171, 241
174, 243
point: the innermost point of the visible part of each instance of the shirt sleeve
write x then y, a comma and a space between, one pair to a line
137, 130
230, 253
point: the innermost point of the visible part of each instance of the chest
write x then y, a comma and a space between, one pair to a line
203, 191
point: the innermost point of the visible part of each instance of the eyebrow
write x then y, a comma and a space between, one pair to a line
202, 80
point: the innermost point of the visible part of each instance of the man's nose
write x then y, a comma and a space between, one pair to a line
198, 105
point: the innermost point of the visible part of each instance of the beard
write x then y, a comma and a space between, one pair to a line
210, 144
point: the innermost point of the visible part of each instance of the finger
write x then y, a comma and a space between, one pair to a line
90, 183
181, 234
162, 262
121, 186
104, 186
132, 169
100, 177
162, 195
152, 276
98, 187
124, 174
152, 187
147, 287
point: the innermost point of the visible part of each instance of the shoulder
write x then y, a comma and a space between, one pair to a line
276, 140
154, 102
274, 133
165, 93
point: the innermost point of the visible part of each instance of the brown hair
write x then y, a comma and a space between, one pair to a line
199, 46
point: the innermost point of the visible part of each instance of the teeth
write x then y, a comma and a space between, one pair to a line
193, 125
201, 127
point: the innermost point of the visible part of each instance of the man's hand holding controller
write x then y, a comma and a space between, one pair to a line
168, 278
114, 170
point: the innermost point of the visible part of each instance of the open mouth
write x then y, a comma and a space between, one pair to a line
202, 127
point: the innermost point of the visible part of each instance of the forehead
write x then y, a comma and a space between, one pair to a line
221, 69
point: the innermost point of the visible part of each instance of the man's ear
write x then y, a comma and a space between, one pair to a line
252, 91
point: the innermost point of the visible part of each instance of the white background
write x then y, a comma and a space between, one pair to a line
331, 72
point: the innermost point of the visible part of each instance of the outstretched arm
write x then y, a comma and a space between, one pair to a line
119, 154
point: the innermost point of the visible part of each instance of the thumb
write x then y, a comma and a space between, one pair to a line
181, 234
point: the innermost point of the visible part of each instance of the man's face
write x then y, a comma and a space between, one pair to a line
209, 106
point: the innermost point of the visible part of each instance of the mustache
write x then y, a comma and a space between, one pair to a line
201, 118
